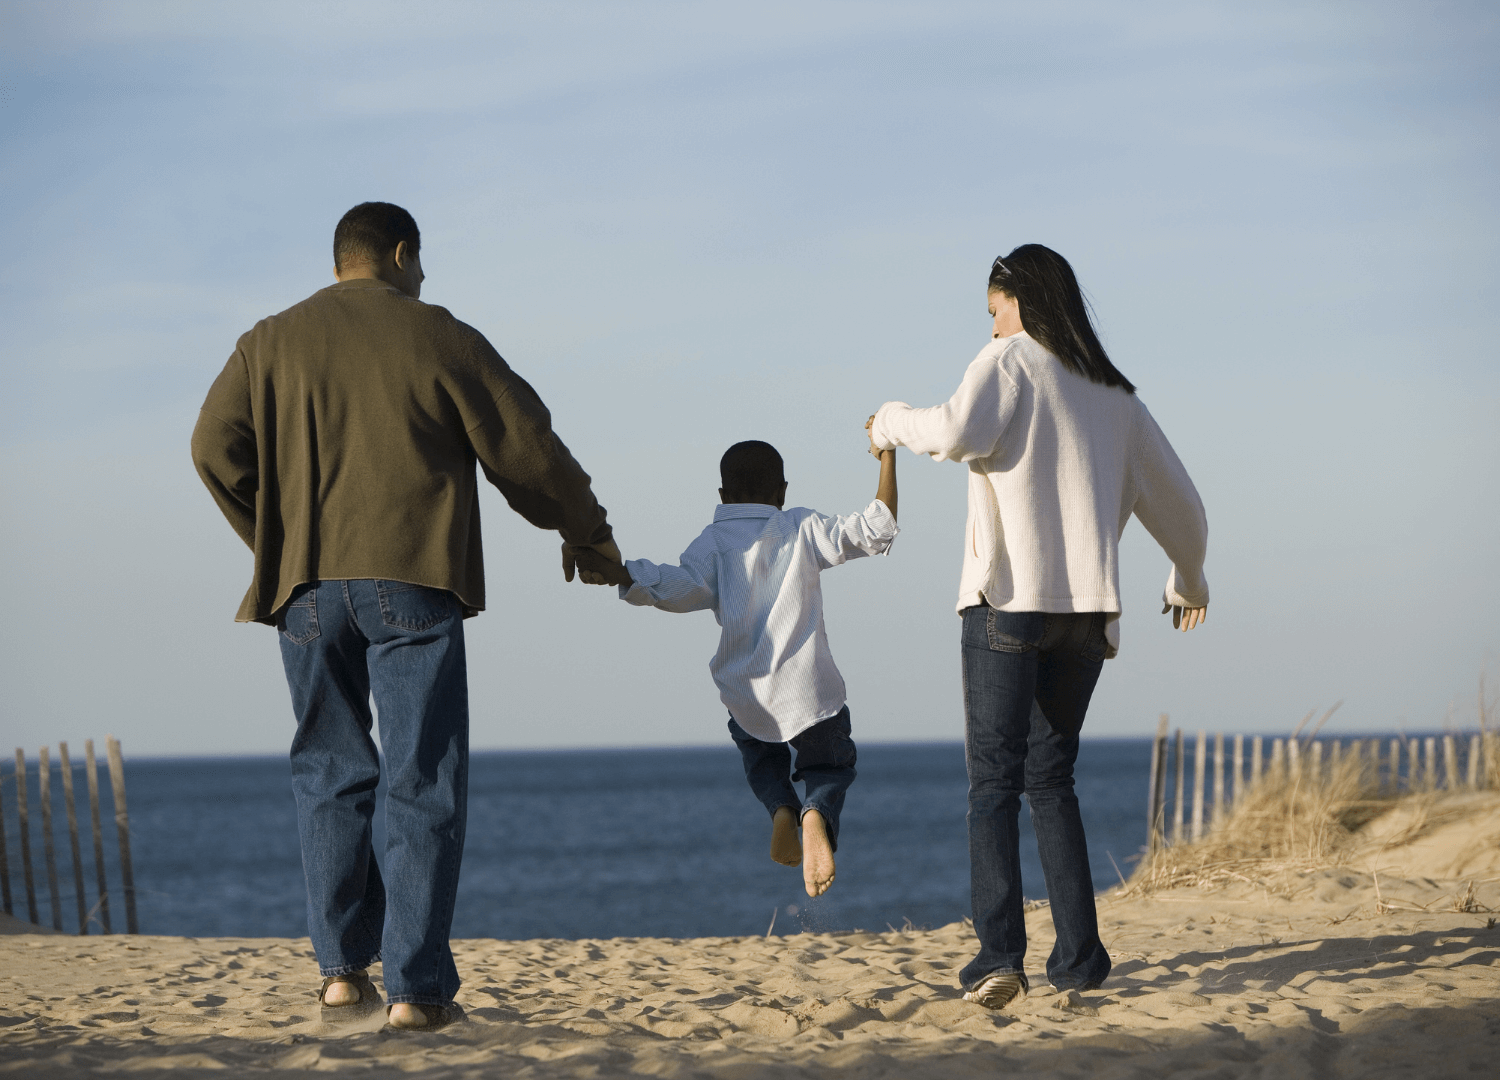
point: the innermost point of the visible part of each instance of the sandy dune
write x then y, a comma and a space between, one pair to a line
1354, 974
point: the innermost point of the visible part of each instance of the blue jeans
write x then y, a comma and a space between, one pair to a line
1028, 677
341, 642
825, 767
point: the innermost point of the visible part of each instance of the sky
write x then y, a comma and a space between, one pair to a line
688, 224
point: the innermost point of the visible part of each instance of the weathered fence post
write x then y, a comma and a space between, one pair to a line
49, 851
1450, 763
1317, 762
1257, 745
1395, 765
1474, 754
67, 781
5, 902
23, 818
1177, 809
1219, 807
1429, 755
1154, 808
1200, 755
122, 827
1294, 759
1239, 769
99, 879
1278, 759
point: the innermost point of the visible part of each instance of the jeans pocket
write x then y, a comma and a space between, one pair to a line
999, 640
1093, 643
405, 606
299, 621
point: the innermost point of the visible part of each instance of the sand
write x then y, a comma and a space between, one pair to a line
1363, 971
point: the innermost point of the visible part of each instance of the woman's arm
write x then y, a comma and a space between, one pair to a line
1169, 507
966, 427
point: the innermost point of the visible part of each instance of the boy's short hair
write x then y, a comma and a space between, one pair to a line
752, 470
370, 231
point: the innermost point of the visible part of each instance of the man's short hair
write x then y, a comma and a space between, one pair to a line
752, 470
371, 231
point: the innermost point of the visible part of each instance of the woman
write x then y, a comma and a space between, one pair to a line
1060, 453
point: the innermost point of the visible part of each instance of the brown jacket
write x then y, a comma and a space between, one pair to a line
340, 442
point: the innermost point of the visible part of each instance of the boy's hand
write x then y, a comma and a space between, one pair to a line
596, 568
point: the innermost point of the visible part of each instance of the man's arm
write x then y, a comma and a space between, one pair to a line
225, 451
511, 433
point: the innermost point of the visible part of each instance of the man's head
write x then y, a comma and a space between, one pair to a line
379, 240
751, 472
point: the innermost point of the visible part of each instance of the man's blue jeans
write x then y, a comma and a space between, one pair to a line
825, 766
341, 642
1028, 677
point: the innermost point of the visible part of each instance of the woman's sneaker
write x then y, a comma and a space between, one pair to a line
998, 990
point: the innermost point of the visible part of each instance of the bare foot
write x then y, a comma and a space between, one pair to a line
341, 993
817, 861
407, 1016
785, 847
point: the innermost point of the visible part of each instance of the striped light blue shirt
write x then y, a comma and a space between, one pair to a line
756, 568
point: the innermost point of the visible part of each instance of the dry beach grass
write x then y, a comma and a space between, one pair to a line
1339, 947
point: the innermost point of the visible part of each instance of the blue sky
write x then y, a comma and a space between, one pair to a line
688, 224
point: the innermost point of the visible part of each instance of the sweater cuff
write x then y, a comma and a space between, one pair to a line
1182, 593
879, 431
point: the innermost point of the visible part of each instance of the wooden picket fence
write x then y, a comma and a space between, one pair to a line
1394, 765
87, 914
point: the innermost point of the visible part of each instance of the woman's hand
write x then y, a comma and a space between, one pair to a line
1185, 618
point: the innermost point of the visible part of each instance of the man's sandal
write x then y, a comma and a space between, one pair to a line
436, 1016
368, 1003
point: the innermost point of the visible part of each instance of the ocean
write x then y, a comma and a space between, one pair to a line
579, 844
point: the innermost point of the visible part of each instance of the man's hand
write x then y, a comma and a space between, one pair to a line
588, 558
595, 569
869, 434
1185, 618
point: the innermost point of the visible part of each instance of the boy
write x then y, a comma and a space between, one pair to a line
756, 568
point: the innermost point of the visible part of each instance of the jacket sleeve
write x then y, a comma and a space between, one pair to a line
511, 433
690, 586
224, 448
965, 428
1168, 505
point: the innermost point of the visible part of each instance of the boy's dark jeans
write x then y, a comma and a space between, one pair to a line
1028, 677
825, 766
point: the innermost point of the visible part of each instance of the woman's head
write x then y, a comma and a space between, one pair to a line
1053, 311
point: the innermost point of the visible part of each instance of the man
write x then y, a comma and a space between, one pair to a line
340, 442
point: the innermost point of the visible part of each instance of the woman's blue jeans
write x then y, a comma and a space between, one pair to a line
1028, 677
341, 643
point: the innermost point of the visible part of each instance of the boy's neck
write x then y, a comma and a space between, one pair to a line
733, 498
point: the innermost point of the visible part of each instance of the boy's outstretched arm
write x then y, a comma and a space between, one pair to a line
886, 491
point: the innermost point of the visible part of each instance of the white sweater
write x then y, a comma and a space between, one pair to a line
1057, 464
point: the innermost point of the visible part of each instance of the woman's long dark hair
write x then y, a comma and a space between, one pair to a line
1054, 313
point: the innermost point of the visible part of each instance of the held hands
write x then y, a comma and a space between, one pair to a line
869, 434
1185, 618
597, 564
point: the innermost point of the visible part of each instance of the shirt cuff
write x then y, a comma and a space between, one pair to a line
883, 523
643, 574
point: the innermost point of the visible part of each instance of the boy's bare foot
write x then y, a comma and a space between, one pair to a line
817, 854
785, 847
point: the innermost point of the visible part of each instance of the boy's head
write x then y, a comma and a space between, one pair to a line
751, 472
